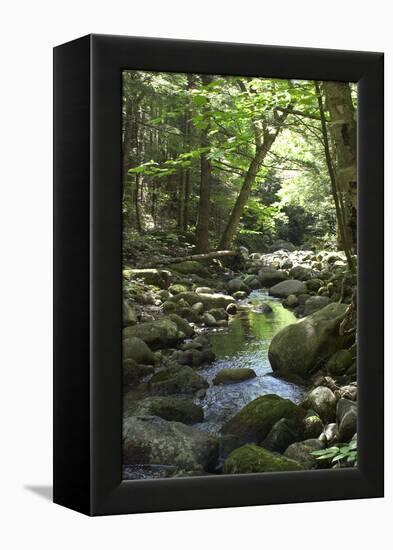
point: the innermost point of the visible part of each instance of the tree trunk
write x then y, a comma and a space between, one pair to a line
260, 153
202, 229
127, 143
342, 233
343, 132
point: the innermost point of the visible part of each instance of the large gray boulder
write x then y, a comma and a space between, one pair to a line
284, 289
153, 440
323, 401
158, 334
299, 349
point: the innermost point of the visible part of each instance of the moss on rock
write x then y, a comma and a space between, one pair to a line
158, 334
190, 267
254, 459
170, 408
177, 380
209, 301
252, 423
153, 440
299, 349
136, 349
232, 376
157, 277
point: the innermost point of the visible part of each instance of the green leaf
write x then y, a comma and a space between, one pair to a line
200, 100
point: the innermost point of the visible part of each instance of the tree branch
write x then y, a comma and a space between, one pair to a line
295, 112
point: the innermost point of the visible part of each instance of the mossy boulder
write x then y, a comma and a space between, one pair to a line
284, 432
177, 288
190, 267
129, 314
169, 307
268, 276
156, 277
191, 357
315, 303
157, 334
183, 325
133, 373
170, 408
314, 284
284, 289
300, 272
136, 349
234, 285
177, 380
254, 459
198, 308
219, 314
299, 349
209, 301
339, 362
153, 440
252, 423
232, 376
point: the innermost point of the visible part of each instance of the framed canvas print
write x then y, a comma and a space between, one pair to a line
218, 275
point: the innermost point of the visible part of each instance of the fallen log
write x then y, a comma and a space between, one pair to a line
217, 254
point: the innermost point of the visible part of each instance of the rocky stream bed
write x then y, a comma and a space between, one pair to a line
239, 366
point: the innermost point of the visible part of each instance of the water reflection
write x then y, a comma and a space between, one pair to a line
245, 344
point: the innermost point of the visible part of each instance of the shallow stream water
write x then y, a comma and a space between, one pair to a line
245, 343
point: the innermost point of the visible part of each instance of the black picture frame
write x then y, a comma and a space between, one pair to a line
87, 274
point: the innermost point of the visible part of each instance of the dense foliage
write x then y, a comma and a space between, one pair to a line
227, 159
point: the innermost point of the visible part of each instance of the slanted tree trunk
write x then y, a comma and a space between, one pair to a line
261, 150
343, 132
202, 229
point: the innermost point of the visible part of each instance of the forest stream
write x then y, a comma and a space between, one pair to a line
239, 245
245, 344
